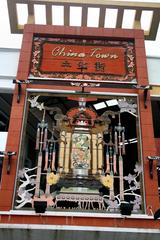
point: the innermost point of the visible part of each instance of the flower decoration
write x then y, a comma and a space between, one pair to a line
21, 173
107, 181
137, 203
112, 205
138, 168
130, 178
32, 181
52, 178
127, 106
21, 191
28, 195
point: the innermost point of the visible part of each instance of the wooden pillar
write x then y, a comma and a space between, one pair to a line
67, 153
100, 152
62, 151
94, 153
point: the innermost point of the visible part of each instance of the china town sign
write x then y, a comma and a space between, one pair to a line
83, 59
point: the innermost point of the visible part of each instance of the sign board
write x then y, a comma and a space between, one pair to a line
83, 59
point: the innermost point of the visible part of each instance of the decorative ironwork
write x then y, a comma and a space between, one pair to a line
80, 180
34, 103
127, 105
28, 185
133, 186
79, 201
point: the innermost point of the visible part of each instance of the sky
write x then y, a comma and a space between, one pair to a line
8, 40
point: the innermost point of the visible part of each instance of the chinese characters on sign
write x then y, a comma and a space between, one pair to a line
100, 60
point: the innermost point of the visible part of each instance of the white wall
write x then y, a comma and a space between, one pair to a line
8, 62
153, 65
8, 68
3, 140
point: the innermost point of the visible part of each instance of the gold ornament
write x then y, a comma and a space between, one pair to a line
52, 178
107, 181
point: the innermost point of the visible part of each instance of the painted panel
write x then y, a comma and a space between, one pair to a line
83, 59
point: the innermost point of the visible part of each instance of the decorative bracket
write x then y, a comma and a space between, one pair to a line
84, 84
145, 92
19, 82
9, 154
151, 158
19, 92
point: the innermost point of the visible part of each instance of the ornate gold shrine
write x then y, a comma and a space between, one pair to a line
81, 144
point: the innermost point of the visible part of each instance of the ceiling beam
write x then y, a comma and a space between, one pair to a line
102, 4
102, 16
94, 2
66, 15
31, 16
154, 25
120, 18
49, 13
84, 16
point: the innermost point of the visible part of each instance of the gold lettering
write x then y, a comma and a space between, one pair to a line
71, 54
95, 52
114, 56
81, 55
105, 55
58, 51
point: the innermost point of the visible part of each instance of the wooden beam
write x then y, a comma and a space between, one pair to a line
13, 18
49, 14
154, 25
102, 16
99, 2
31, 15
66, 15
102, 4
119, 18
84, 16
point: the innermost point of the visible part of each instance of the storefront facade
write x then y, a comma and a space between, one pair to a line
82, 134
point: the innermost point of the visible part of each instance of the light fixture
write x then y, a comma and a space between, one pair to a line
100, 105
112, 102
